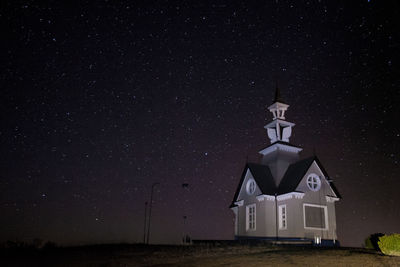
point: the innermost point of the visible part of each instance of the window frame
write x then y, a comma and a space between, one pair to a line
251, 186
251, 225
317, 180
281, 219
325, 216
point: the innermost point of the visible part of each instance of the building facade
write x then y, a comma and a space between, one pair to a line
285, 197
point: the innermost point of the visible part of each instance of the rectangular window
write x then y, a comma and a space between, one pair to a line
282, 217
251, 217
315, 217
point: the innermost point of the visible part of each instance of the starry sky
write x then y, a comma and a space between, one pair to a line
101, 99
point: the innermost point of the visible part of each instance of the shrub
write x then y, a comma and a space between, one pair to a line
390, 244
372, 241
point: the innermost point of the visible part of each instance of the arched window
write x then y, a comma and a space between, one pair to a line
251, 186
313, 182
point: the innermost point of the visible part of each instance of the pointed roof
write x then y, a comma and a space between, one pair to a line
293, 176
295, 173
278, 97
327, 176
263, 177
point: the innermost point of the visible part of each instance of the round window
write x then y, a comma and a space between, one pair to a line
313, 182
251, 186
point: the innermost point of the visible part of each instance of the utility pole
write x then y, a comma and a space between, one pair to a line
184, 230
151, 205
185, 239
144, 224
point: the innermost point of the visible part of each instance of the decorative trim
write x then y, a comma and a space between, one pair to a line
298, 195
278, 106
239, 203
284, 197
235, 210
260, 198
290, 195
267, 197
330, 199
283, 147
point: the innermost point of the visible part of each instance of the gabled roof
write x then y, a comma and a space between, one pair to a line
293, 175
263, 177
327, 176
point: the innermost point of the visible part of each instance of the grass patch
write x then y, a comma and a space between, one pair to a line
198, 255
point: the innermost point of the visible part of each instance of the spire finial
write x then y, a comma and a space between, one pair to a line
278, 97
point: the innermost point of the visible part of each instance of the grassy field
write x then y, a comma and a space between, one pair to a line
205, 255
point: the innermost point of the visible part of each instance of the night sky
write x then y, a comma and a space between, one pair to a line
100, 99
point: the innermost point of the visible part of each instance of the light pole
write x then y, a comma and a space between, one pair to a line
185, 237
151, 204
144, 224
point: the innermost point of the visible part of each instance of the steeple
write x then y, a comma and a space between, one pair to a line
280, 153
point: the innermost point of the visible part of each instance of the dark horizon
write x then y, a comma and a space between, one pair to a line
101, 100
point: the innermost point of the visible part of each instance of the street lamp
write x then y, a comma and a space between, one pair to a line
150, 206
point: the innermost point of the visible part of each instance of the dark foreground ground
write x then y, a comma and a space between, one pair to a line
199, 255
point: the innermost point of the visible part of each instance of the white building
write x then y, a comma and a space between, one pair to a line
284, 197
